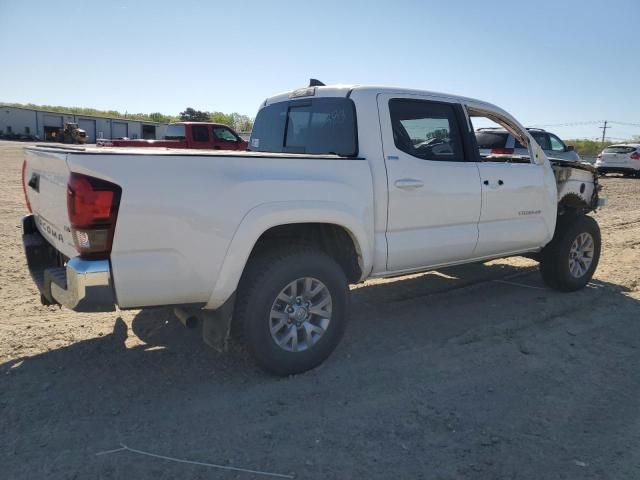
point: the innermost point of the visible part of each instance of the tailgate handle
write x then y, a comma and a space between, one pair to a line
34, 182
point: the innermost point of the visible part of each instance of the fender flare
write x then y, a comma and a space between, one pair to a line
268, 215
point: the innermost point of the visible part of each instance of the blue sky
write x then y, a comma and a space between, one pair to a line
546, 62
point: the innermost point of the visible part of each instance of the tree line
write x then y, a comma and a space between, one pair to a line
241, 123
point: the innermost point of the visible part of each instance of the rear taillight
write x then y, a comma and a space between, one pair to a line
635, 155
502, 151
24, 185
92, 205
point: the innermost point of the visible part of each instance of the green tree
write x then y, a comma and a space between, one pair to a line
159, 117
241, 123
587, 148
192, 115
154, 117
219, 117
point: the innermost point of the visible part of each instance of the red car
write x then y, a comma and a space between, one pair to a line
202, 135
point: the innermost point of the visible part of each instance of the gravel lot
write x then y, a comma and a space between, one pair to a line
476, 372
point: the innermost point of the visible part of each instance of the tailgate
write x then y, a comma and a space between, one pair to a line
46, 175
615, 159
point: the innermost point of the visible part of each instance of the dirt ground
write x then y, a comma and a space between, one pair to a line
476, 372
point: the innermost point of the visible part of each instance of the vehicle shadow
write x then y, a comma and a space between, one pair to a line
92, 394
169, 350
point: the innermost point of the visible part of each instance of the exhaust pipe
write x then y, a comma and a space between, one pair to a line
187, 319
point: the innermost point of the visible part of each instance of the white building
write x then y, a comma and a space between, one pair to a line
47, 125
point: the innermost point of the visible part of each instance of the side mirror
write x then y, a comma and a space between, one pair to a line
570, 148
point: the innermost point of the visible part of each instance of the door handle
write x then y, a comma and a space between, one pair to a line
500, 182
408, 183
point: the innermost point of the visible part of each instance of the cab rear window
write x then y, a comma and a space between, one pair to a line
318, 126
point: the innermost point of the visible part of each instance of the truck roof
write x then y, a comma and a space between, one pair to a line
347, 89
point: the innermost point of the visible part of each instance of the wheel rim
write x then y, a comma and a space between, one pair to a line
581, 255
300, 314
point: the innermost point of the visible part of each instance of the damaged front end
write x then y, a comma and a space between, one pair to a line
578, 187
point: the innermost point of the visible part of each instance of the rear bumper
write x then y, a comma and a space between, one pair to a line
79, 284
605, 169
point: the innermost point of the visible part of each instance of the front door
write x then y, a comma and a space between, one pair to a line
518, 202
225, 139
434, 191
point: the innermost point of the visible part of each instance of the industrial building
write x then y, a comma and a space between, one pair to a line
47, 125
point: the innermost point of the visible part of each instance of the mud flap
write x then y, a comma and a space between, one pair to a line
216, 325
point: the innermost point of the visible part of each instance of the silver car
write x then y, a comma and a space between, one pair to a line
497, 141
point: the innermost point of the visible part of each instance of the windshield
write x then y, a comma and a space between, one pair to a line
175, 131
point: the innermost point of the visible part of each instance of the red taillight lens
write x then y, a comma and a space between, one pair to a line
635, 155
93, 209
502, 151
24, 185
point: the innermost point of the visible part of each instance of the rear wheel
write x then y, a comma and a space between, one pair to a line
291, 308
568, 262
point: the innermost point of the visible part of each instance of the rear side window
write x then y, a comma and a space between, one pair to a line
200, 133
557, 145
315, 126
619, 149
175, 132
541, 139
492, 140
426, 130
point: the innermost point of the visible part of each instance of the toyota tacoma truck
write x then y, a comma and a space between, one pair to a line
341, 184
197, 135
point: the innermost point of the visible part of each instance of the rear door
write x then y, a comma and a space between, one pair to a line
46, 175
199, 136
434, 191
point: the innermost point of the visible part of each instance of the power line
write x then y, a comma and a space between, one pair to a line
585, 122
568, 124
625, 123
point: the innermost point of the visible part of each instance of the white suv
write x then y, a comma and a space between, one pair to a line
623, 158
497, 141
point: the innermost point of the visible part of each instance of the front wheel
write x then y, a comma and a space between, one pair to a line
291, 308
569, 261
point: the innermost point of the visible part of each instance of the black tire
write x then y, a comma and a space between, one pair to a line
555, 257
263, 280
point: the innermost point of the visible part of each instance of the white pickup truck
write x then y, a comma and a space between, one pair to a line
341, 184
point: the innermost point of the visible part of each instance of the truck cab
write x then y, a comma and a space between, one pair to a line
190, 135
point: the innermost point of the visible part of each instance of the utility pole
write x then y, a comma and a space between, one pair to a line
604, 130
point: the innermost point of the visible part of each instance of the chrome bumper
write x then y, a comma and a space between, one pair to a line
79, 284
